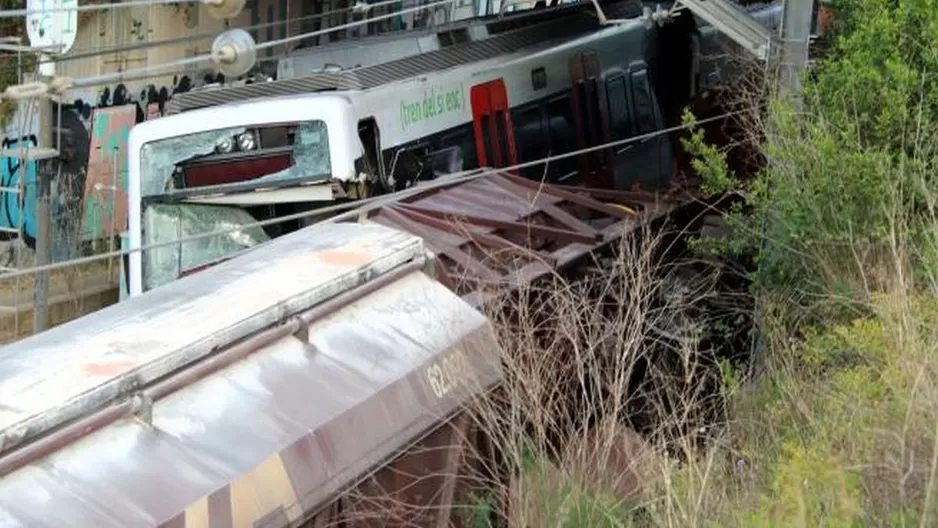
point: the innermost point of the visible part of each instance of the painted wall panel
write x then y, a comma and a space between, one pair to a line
107, 172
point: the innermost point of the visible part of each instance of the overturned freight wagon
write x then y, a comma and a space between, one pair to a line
246, 395
304, 382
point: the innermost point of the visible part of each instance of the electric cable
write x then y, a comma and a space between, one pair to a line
33, 89
369, 204
166, 68
16, 13
207, 36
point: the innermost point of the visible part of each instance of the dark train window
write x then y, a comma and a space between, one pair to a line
538, 78
644, 105
463, 140
501, 125
530, 139
618, 107
486, 125
562, 139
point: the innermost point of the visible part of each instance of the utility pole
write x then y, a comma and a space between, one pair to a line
795, 33
788, 63
45, 173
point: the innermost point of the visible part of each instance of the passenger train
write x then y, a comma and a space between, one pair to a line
492, 92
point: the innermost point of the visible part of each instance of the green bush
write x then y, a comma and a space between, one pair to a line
841, 427
850, 177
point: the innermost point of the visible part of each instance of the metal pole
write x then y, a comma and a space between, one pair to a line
110, 238
46, 169
795, 29
792, 60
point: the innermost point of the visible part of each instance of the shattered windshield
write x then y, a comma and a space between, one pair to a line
280, 152
169, 222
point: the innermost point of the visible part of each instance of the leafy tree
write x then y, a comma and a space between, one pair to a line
850, 175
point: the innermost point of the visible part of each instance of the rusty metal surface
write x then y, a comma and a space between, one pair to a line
277, 433
82, 366
499, 230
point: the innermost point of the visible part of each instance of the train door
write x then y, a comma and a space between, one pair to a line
634, 112
491, 121
655, 150
591, 118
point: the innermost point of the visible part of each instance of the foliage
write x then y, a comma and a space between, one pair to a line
852, 172
840, 432
841, 427
707, 160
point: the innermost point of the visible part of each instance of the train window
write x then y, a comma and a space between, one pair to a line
370, 136
618, 107
409, 165
560, 124
501, 125
529, 135
538, 78
486, 126
462, 139
644, 105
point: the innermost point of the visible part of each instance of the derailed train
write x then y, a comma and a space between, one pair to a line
482, 93
323, 376
322, 379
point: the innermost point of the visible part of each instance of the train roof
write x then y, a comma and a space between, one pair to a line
565, 25
286, 403
247, 112
47, 371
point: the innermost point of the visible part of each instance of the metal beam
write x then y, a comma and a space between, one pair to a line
735, 23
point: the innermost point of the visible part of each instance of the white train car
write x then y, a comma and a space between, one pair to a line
484, 93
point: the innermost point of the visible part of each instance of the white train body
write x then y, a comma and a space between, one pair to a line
503, 95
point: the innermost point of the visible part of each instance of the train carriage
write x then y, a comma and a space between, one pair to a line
485, 93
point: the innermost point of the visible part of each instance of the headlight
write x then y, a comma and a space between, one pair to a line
225, 146
246, 141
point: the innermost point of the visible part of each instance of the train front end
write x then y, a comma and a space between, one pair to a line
224, 169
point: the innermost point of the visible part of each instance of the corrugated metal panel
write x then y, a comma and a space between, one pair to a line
499, 231
80, 366
277, 433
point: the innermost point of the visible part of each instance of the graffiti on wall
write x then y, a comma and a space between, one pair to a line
93, 163
18, 178
105, 196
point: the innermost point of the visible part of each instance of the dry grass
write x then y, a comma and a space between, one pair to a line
608, 379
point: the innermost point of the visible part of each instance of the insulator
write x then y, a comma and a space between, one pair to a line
234, 52
26, 91
222, 9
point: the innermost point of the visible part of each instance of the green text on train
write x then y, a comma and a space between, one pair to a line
434, 103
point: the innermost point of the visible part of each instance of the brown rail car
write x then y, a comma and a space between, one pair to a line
490, 235
319, 379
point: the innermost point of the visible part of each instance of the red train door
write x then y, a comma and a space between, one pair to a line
494, 137
591, 116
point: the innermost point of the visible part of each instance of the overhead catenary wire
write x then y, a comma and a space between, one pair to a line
16, 13
368, 204
164, 69
35, 89
209, 35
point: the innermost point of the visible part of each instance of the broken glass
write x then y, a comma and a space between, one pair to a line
168, 222
158, 159
310, 155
